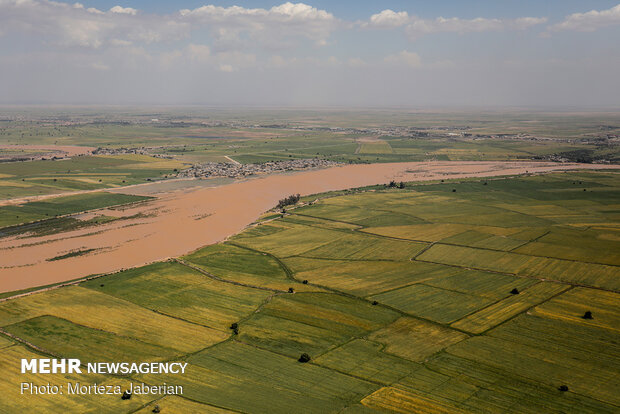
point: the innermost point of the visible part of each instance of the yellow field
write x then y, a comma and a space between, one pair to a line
14, 402
571, 306
414, 339
401, 401
367, 278
555, 269
435, 232
14, 184
101, 311
509, 307
378, 147
175, 404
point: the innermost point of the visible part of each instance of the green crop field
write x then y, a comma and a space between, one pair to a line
21, 179
191, 135
12, 215
415, 299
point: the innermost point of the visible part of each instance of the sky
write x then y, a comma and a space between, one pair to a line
392, 53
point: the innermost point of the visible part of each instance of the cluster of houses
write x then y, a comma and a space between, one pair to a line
123, 150
222, 169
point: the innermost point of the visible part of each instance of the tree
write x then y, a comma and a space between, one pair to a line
401, 185
304, 358
288, 201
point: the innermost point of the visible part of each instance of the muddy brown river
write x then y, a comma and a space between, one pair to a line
181, 221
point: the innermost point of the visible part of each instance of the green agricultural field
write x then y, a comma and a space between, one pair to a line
311, 323
12, 215
436, 304
415, 339
421, 299
243, 378
366, 359
21, 179
172, 286
57, 336
97, 310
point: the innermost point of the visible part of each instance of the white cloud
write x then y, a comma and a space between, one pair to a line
417, 27
74, 25
420, 27
406, 58
54, 51
226, 68
124, 10
199, 53
389, 18
589, 21
269, 27
523, 23
99, 66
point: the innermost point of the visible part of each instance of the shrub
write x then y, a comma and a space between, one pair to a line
563, 388
304, 358
514, 291
587, 315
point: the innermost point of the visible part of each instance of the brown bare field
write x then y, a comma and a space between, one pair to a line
179, 222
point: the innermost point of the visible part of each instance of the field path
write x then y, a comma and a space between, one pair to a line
231, 160
179, 222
